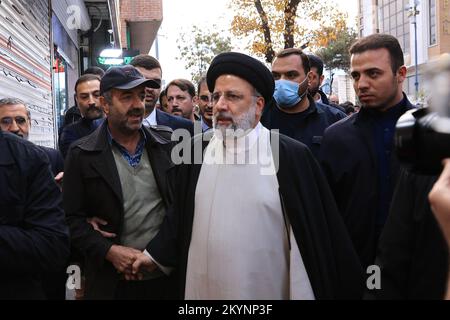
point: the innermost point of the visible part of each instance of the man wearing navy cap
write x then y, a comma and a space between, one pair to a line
268, 227
118, 175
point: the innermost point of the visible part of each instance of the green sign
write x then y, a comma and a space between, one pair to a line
114, 61
110, 61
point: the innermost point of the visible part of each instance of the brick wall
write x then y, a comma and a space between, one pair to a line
136, 11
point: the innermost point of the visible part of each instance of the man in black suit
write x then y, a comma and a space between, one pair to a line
118, 174
151, 70
33, 235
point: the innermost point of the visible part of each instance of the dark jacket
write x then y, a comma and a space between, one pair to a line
412, 252
307, 127
55, 158
349, 160
330, 260
34, 238
173, 122
72, 115
92, 188
76, 131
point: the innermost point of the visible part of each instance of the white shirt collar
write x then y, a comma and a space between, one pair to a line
151, 119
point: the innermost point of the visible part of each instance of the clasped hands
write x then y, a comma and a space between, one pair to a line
131, 262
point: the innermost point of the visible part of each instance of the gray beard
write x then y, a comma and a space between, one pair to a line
240, 126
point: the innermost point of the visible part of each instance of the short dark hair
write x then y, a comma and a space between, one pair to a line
184, 85
85, 78
290, 51
316, 62
145, 61
95, 70
381, 41
202, 80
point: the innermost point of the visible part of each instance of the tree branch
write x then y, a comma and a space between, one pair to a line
290, 12
270, 54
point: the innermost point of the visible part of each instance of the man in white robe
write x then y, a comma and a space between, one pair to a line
235, 230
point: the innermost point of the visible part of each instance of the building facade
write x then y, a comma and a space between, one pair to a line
45, 45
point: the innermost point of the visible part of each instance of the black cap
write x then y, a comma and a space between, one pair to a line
124, 77
242, 66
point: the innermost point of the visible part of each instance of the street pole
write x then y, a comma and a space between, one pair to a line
413, 12
157, 47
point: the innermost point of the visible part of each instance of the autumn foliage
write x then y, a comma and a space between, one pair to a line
269, 26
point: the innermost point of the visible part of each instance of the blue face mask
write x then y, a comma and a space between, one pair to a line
286, 93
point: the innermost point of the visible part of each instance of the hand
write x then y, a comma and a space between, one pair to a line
59, 179
94, 222
440, 200
143, 262
122, 258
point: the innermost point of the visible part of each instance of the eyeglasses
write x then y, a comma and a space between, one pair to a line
7, 121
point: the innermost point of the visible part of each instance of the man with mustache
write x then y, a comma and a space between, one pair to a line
269, 227
151, 70
357, 153
181, 98
118, 174
205, 105
87, 95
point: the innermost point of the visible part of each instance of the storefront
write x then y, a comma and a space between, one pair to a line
25, 63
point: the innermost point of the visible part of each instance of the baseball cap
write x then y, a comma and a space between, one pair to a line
125, 78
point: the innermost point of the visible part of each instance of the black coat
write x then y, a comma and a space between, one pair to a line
330, 260
412, 252
56, 160
34, 238
349, 161
307, 127
76, 131
92, 188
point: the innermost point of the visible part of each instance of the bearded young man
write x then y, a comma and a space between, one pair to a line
293, 110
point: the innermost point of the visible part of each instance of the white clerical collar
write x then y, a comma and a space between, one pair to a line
241, 144
151, 119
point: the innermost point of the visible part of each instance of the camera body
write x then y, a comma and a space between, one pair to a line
422, 141
422, 137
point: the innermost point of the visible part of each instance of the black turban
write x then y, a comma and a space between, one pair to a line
242, 66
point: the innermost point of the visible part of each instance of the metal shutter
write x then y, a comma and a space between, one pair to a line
25, 63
